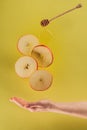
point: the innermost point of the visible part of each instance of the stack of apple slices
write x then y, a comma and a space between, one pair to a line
35, 55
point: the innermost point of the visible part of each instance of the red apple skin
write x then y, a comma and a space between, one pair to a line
18, 42
45, 88
50, 52
32, 73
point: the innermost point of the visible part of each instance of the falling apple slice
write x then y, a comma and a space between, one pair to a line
26, 44
41, 80
43, 55
25, 66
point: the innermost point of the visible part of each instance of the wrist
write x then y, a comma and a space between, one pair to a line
53, 107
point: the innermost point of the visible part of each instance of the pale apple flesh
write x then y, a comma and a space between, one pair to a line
27, 43
43, 55
41, 80
25, 66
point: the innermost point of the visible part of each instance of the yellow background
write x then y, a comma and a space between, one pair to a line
67, 38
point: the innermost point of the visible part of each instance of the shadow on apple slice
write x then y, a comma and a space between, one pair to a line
43, 55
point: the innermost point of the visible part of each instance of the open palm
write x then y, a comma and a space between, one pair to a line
43, 105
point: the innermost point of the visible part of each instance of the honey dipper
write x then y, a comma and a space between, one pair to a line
45, 22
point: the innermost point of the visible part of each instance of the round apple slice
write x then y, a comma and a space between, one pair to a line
25, 66
41, 80
26, 44
43, 55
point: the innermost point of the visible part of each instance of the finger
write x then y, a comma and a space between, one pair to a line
18, 101
35, 109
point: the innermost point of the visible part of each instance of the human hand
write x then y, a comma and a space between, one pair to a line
40, 106
78, 109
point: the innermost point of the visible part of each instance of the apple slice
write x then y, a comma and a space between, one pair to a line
26, 44
41, 80
25, 66
43, 55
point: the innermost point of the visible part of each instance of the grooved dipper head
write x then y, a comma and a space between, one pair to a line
44, 22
